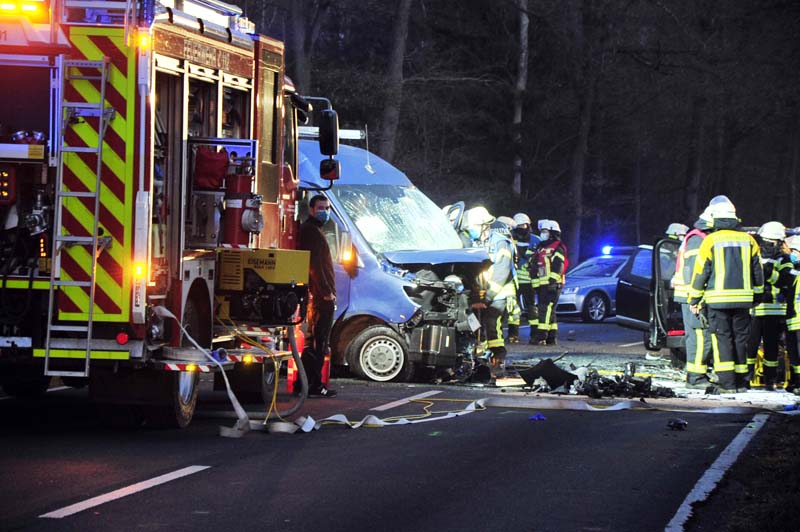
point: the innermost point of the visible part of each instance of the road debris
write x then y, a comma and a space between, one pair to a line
677, 424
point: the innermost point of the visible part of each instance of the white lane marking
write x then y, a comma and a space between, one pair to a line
123, 492
714, 474
393, 404
56, 389
630, 345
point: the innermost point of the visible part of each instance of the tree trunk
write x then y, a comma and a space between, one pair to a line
301, 66
519, 93
793, 168
394, 83
694, 156
637, 193
579, 158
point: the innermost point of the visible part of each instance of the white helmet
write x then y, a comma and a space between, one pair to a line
706, 215
476, 217
721, 207
676, 229
551, 225
507, 221
521, 219
772, 231
793, 242
540, 223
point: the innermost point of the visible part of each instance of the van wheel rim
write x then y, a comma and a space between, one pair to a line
382, 358
597, 308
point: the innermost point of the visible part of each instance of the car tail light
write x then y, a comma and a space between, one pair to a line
677, 332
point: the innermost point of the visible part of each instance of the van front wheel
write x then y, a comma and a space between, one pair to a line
380, 354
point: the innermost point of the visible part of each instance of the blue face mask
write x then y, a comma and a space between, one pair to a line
322, 216
474, 234
795, 257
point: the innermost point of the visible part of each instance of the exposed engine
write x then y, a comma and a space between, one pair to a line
444, 325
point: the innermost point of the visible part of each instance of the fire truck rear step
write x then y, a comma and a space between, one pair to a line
68, 112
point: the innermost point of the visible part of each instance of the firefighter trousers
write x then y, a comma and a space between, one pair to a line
767, 328
514, 313
527, 298
698, 347
492, 321
547, 297
793, 350
319, 329
730, 335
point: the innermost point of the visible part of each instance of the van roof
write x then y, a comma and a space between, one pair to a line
356, 164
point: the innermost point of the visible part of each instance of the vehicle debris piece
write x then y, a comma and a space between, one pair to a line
625, 385
677, 424
537, 417
550, 372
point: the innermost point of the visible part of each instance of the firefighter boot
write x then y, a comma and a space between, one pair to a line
794, 383
551, 337
513, 334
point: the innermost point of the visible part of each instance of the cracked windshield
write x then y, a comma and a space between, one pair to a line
394, 218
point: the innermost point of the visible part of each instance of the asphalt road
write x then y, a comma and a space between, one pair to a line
502, 468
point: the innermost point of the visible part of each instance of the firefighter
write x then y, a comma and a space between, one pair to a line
770, 314
728, 276
526, 243
793, 315
497, 282
551, 267
698, 337
513, 309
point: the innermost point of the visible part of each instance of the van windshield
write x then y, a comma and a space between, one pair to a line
395, 218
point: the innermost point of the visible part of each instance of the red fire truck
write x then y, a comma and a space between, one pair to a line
148, 168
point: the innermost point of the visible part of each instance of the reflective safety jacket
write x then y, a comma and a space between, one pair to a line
727, 272
793, 297
777, 280
524, 257
684, 264
500, 278
551, 263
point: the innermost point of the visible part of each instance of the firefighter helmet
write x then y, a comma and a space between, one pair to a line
508, 221
772, 231
721, 207
550, 225
676, 229
521, 218
540, 224
793, 242
476, 217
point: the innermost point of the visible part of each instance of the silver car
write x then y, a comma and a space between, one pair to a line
590, 290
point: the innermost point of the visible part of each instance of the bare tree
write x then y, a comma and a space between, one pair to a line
519, 93
394, 82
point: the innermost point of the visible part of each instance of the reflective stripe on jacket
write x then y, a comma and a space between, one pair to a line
777, 279
684, 264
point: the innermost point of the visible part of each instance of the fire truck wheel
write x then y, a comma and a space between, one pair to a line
26, 386
379, 354
178, 391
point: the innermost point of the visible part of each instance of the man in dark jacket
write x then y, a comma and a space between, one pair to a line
322, 285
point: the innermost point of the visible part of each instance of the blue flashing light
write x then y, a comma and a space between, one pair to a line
607, 250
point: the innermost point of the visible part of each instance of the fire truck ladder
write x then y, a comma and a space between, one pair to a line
74, 112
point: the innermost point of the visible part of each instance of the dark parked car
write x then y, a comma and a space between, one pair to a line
645, 298
590, 289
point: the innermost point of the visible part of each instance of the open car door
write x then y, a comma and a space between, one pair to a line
666, 320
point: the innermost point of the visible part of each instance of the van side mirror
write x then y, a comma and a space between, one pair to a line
329, 169
329, 133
